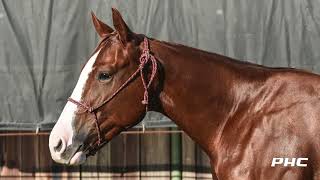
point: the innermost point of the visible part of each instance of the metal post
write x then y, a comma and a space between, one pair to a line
176, 157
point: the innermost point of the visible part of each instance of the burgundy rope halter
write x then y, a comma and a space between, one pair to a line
144, 59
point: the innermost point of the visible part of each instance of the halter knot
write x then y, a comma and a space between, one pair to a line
90, 109
145, 100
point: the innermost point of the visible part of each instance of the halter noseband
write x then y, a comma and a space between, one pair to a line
144, 59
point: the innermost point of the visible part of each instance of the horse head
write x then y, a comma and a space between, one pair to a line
107, 97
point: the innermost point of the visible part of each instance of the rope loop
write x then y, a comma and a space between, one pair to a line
144, 59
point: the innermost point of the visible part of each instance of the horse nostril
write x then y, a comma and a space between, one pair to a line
60, 146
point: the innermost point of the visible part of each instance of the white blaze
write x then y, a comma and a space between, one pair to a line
63, 126
77, 92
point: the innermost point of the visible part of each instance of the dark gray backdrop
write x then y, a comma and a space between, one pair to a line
44, 43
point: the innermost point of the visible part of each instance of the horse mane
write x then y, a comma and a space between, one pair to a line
225, 59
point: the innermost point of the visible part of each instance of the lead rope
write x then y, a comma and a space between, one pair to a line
144, 59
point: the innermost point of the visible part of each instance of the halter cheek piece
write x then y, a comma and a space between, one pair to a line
144, 59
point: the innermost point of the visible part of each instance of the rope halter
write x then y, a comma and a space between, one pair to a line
145, 58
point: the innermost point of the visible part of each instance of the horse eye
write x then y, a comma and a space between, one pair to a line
104, 76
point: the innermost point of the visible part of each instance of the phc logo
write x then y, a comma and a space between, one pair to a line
298, 162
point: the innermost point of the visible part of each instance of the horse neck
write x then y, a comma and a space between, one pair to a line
196, 92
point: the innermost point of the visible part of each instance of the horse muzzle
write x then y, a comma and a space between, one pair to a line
65, 153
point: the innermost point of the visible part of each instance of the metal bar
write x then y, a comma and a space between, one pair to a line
176, 157
125, 132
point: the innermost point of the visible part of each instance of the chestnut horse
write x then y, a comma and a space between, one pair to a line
243, 115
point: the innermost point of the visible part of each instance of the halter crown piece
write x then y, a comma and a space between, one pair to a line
144, 59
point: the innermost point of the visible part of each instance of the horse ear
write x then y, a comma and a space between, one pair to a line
120, 26
101, 28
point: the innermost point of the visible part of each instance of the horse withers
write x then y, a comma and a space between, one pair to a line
254, 122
